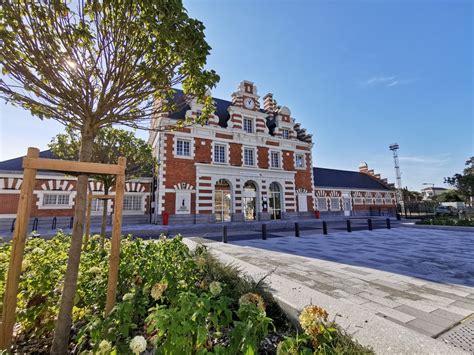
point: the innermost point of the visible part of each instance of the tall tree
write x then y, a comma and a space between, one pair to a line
464, 182
109, 144
92, 63
450, 196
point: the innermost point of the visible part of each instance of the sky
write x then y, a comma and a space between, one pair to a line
358, 75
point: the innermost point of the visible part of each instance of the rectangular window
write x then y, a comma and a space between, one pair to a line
322, 204
132, 203
368, 201
249, 157
219, 153
335, 204
379, 201
275, 159
248, 125
300, 163
358, 201
183, 147
56, 200
285, 133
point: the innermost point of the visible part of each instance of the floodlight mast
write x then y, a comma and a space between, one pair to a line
394, 148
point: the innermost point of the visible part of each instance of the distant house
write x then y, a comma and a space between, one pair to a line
429, 192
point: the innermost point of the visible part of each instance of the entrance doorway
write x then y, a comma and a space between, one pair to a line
275, 201
222, 201
249, 201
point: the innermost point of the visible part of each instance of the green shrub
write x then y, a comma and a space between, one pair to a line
169, 299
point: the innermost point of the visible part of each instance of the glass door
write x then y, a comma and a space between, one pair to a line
222, 201
275, 201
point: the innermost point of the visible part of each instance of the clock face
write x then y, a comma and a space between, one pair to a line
249, 103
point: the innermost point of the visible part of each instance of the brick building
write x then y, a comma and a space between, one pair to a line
353, 193
248, 163
53, 197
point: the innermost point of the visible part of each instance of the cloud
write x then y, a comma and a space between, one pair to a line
387, 81
430, 161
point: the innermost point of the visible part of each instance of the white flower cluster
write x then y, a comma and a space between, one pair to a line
138, 344
215, 288
104, 347
157, 290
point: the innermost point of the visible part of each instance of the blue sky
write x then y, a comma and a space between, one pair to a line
358, 75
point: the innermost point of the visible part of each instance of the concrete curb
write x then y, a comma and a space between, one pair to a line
384, 336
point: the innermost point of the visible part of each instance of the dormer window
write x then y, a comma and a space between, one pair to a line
248, 125
285, 133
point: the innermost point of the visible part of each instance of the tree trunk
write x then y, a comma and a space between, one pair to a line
104, 220
63, 324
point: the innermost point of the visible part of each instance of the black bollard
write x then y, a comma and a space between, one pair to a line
53, 225
325, 228
71, 222
13, 225
35, 224
264, 231
349, 228
297, 230
388, 223
399, 217
369, 222
224, 234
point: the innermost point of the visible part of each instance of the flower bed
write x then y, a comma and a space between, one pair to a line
170, 300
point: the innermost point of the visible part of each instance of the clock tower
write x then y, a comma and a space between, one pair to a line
246, 96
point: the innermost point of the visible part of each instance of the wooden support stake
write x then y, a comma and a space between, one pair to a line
88, 220
16, 257
116, 233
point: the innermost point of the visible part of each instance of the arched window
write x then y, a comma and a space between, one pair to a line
275, 201
222, 201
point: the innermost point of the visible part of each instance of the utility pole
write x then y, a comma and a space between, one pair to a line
394, 148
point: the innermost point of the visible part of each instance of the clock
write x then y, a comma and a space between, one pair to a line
249, 103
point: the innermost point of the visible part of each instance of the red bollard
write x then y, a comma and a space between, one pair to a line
166, 217
317, 214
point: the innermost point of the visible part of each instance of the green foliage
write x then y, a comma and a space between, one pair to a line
450, 196
448, 221
330, 341
464, 183
113, 61
180, 301
109, 144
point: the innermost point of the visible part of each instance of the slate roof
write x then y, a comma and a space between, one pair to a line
15, 164
324, 177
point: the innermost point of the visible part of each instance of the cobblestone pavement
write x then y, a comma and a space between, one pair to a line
421, 279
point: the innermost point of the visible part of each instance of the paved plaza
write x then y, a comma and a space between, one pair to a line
421, 279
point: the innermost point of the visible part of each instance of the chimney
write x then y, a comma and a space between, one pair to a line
363, 168
269, 103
